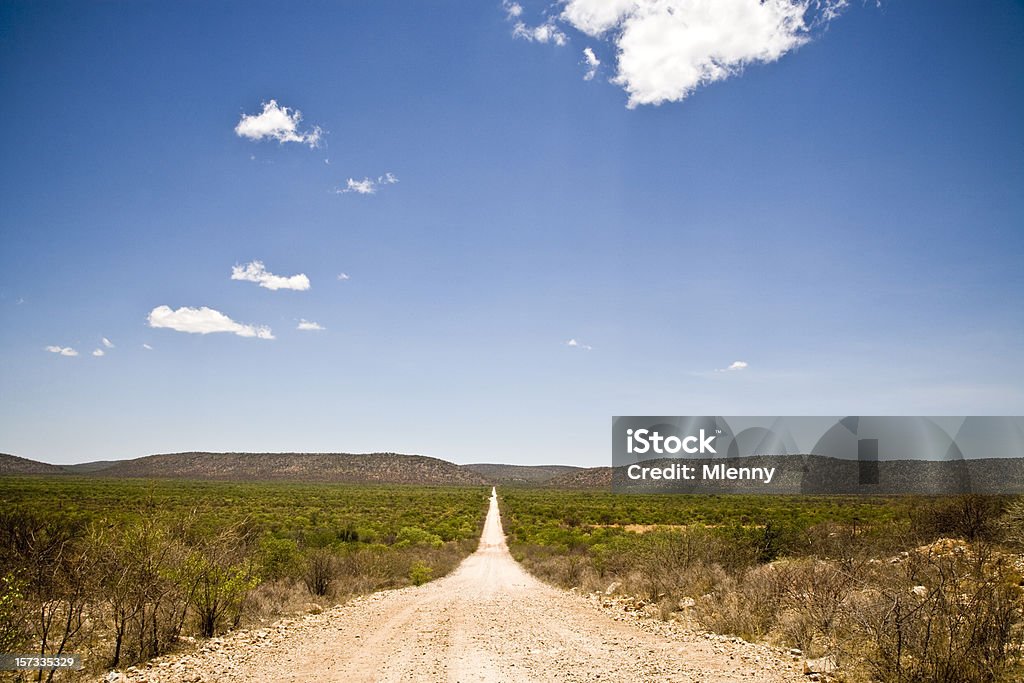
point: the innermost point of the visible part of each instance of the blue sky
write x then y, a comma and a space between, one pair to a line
837, 206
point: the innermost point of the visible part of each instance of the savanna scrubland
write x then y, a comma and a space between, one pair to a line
124, 570
892, 589
886, 588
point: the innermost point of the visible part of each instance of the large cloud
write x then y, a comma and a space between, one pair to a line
666, 49
257, 272
279, 123
203, 321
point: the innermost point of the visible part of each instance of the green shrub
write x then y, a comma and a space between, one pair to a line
12, 622
420, 573
414, 536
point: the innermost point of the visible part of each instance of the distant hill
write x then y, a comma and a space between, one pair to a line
89, 467
12, 464
366, 468
793, 473
583, 478
519, 475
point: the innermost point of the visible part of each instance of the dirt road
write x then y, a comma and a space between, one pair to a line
487, 621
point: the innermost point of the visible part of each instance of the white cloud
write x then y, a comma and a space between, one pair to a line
575, 344
364, 186
548, 32
343, 276
367, 185
147, 347
309, 325
513, 10
592, 62
98, 353
666, 49
257, 272
279, 123
203, 321
62, 350
106, 342
736, 365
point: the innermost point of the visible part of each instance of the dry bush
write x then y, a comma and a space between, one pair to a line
320, 568
812, 600
367, 569
221, 571
55, 575
744, 607
948, 616
678, 563
144, 595
799, 601
729, 613
1011, 525
272, 599
543, 562
973, 517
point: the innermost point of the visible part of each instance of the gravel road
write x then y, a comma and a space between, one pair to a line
487, 621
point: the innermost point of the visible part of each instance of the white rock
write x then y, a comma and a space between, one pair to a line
821, 665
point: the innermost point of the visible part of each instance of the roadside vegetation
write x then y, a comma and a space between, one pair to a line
890, 589
124, 570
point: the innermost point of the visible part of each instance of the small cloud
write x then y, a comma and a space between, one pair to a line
257, 272
574, 344
343, 276
592, 62
364, 186
367, 185
62, 350
98, 353
147, 347
279, 123
547, 32
309, 325
203, 321
109, 344
736, 365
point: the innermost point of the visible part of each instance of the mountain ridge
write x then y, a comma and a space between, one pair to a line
355, 468
796, 473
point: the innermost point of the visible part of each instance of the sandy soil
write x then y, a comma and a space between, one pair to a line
487, 621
